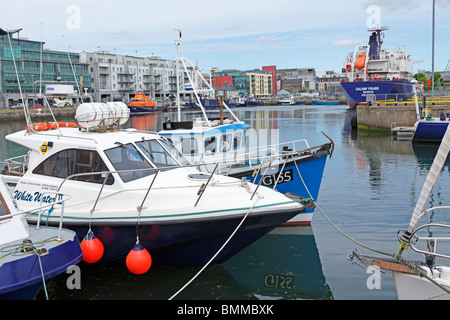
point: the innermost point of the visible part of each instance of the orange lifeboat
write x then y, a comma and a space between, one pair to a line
141, 100
360, 61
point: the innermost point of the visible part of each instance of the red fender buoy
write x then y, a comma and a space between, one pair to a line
92, 248
138, 260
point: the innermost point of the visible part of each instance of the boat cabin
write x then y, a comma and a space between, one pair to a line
207, 141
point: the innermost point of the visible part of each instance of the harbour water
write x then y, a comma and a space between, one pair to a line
369, 190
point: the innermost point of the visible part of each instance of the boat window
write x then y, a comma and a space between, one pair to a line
210, 145
174, 152
126, 157
156, 153
74, 161
244, 139
189, 146
237, 140
225, 142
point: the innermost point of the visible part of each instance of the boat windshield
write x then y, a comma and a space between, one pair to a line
127, 157
160, 153
174, 152
157, 154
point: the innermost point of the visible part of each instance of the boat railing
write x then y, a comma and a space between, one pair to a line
254, 157
432, 241
59, 198
106, 174
15, 165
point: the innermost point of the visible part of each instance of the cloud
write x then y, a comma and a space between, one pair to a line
269, 40
345, 43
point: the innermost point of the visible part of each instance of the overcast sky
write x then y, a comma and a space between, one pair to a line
236, 34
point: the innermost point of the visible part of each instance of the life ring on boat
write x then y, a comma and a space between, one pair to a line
68, 124
42, 126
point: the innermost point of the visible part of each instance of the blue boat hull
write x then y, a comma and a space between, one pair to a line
184, 242
22, 279
290, 182
144, 109
206, 103
318, 102
357, 91
430, 131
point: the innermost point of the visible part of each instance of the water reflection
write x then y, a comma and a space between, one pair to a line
284, 264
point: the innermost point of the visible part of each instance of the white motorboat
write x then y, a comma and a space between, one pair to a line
128, 184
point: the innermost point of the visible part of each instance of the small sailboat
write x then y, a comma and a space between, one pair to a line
425, 278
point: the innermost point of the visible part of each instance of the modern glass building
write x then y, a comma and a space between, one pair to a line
56, 69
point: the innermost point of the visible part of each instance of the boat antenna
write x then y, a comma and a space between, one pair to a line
25, 109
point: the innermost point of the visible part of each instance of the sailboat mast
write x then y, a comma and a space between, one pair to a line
177, 46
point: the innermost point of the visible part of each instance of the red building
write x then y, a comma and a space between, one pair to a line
220, 81
273, 70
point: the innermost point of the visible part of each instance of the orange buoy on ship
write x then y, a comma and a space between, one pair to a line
138, 259
360, 61
92, 248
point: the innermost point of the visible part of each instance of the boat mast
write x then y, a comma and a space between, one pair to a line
378, 31
432, 57
177, 45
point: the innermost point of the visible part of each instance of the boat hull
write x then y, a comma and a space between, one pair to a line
206, 103
290, 182
318, 102
357, 91
21, 279
141, 109
430, 131
413, 287
184, 242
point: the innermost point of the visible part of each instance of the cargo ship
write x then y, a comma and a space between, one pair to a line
374, 74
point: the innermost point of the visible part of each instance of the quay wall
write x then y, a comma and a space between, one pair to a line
381, 117
38, 116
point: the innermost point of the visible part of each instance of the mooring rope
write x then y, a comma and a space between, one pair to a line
221, 248
25, 247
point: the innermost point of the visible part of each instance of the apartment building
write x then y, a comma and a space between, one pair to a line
119, 77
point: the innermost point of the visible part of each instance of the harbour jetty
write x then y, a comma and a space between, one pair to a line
382, 117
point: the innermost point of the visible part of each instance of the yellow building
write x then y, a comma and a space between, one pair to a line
260, 83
